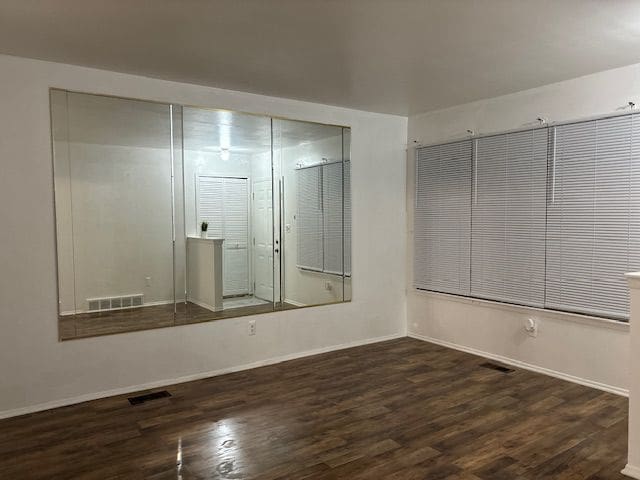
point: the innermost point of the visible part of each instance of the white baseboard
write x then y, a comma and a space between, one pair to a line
189, 378
631, 471
527, 366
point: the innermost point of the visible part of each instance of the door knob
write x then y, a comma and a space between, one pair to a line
276, 250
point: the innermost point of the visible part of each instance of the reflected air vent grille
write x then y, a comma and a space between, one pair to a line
115, 303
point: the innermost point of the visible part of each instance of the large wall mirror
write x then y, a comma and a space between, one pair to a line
168, 215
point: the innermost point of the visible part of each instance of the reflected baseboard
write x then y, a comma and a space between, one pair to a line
206, 305
294, 303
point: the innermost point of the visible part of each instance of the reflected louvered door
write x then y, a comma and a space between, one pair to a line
223, 203
236, 237
593, 231
309, 219
442, 218
210, 191
508, 217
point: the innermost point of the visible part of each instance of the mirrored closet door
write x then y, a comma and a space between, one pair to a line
168, 215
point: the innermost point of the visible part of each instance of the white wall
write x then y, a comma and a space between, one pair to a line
37, 371
595, 352
632, 469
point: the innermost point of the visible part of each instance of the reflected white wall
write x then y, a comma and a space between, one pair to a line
114, 199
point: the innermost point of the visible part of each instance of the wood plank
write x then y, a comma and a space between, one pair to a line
402, 409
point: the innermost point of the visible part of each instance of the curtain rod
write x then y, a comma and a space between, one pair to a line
531, 128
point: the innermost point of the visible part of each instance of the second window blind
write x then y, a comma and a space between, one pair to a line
508, 217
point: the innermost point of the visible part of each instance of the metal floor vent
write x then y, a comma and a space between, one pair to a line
495, 366
115, 303
148, 396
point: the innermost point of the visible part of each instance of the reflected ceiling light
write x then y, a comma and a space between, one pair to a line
224, 136
224, 154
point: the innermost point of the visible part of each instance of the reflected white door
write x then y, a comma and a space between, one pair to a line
263, 239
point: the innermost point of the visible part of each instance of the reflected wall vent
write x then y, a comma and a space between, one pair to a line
115, 303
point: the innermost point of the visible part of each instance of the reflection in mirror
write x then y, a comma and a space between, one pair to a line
168, 215
228, 198
309, 163
346, 208
112, 164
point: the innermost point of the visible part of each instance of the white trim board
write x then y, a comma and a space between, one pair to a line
631, 471
189, 378
527, 366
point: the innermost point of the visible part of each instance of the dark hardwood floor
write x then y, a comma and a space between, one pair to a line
402, 409
96, 324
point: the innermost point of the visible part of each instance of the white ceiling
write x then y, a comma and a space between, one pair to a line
395, 56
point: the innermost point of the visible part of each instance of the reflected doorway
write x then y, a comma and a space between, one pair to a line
168, 215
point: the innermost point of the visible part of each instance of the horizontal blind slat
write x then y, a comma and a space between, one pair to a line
592, 220
442, 218
508, 244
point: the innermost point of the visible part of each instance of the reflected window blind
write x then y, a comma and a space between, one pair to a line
309, 219
593, 216
323, 219
333, 217
508, 217
442, 218
347, 218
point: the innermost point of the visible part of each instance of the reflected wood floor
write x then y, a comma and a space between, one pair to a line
95, 324
401, 409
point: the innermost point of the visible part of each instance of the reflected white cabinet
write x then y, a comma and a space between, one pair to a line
204, 272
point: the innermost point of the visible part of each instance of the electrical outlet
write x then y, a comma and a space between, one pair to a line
328, 286
252, 327
147, 281
531, 327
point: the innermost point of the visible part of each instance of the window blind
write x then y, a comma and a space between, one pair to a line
442, 218
593, 216
347, 217
508, 217
323, 218
309, 220
333, 217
